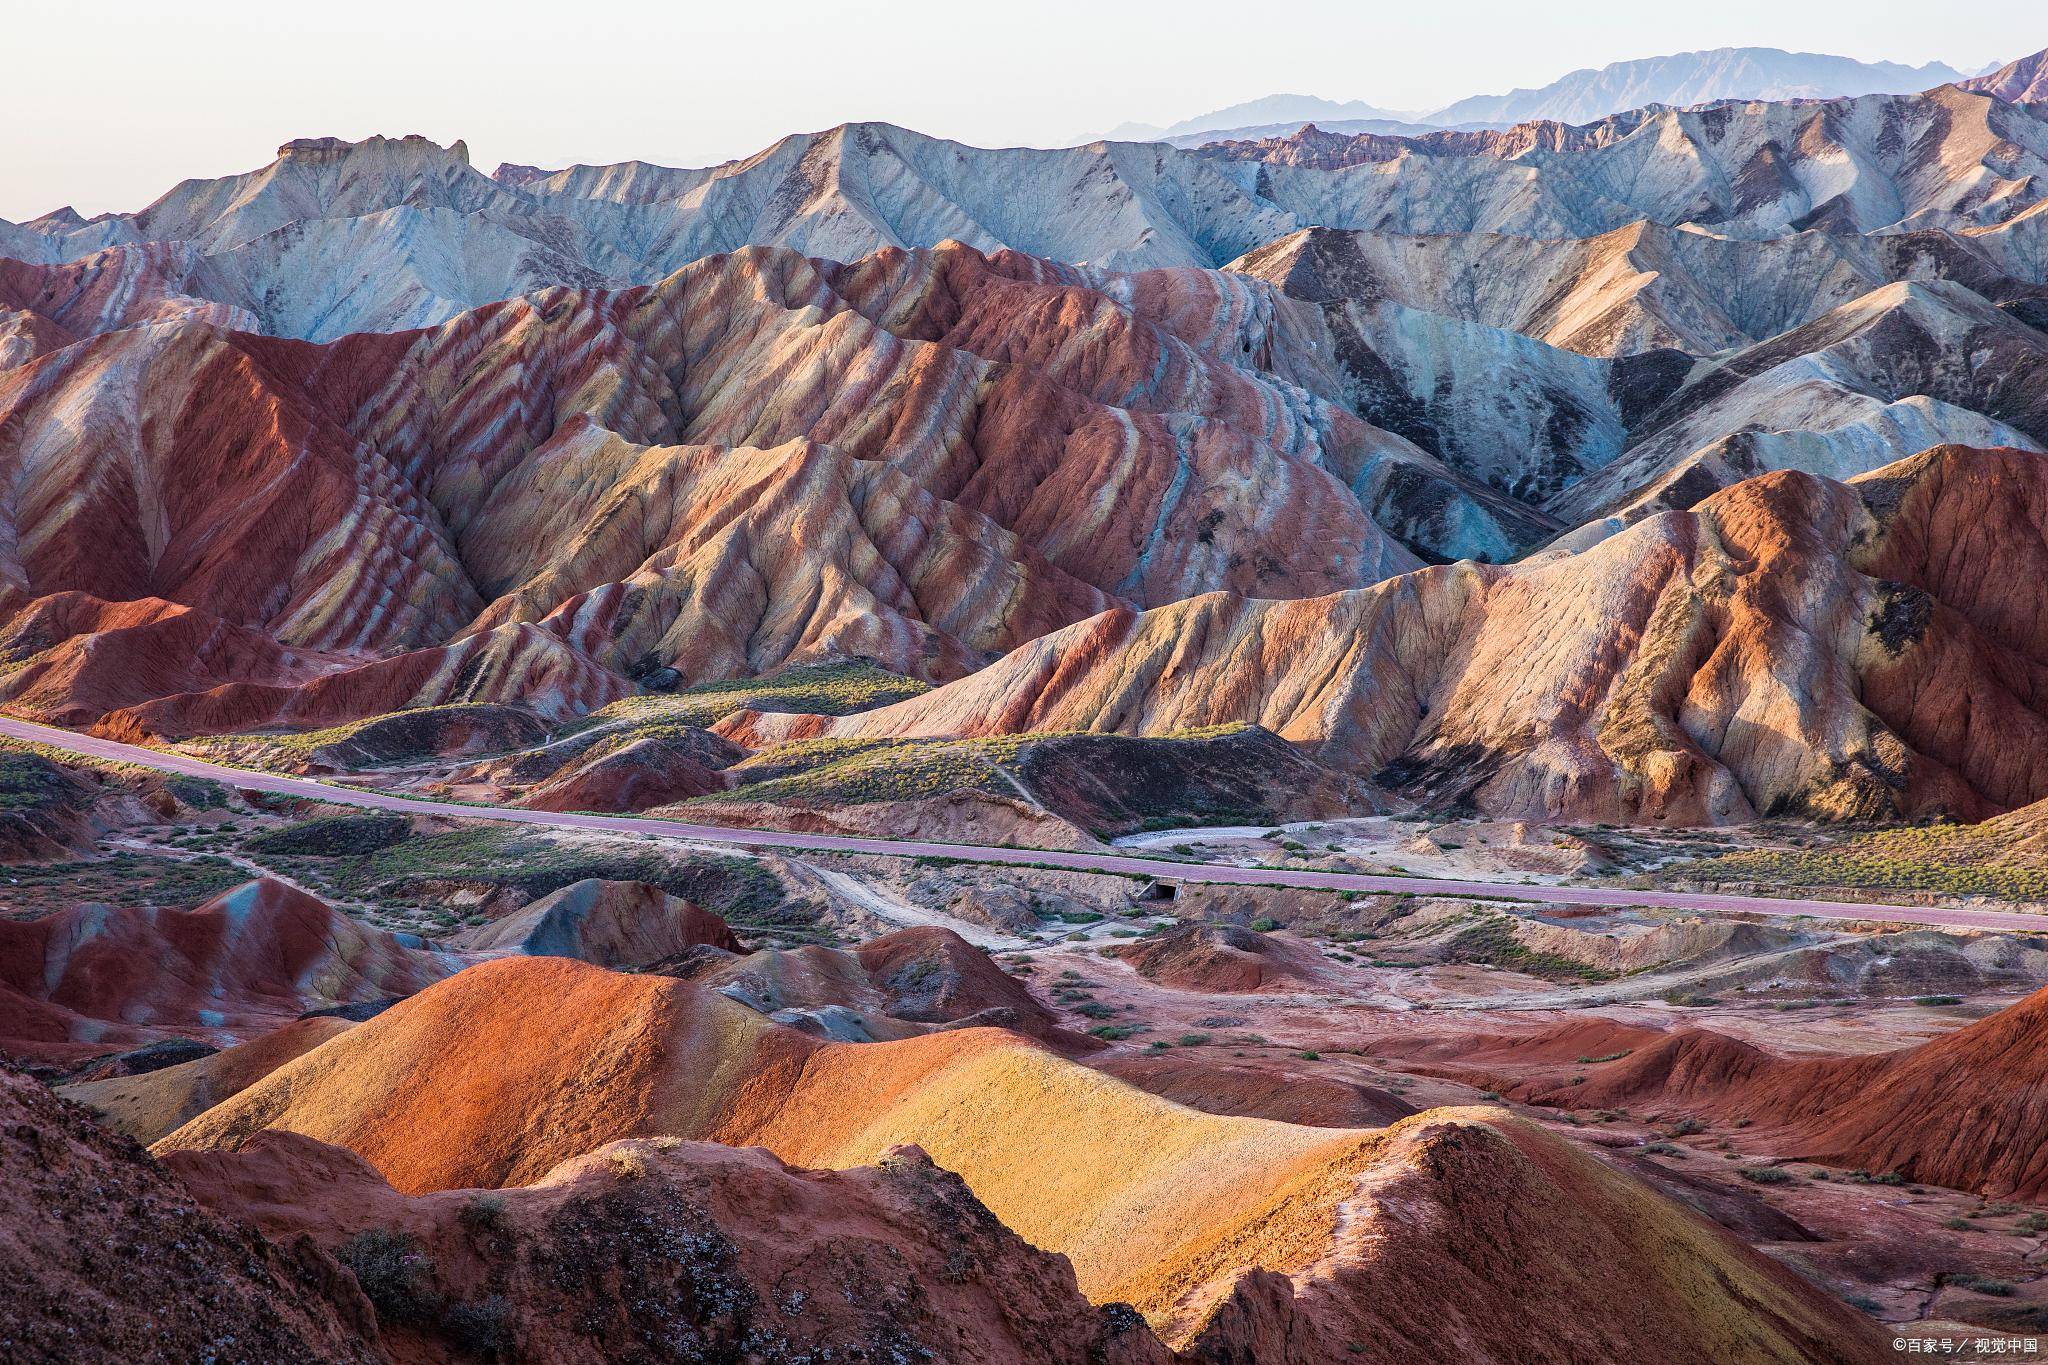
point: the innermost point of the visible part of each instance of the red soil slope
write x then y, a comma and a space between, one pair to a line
95, 979
1258, 1092
1962, 1110
108, 1260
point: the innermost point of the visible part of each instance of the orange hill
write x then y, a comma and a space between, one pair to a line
1228, 1233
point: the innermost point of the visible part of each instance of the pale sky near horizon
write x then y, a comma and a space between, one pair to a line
114, 102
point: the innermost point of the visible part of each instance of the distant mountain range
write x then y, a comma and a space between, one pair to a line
1293, 110
1681, 79
1688, 78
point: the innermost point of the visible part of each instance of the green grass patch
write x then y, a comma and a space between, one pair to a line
858, 771
1955, 860
834, 689
1492, 942
333, 836
740, 889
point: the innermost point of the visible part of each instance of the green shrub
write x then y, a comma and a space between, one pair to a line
484, 1216
334, 836
396, 1276
482, 1328
1981, 1284
1765, 1175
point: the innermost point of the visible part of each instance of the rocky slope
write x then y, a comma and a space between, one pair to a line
108, 1259
1789, 645
336, 237
1948, 158
2021, 82
1900, 369
1227, 1233
1644, 286
668, 1250
1609, 377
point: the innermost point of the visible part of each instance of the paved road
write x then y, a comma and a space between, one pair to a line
1936, 916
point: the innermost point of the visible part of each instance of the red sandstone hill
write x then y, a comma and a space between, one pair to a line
96, 979
1222, 958
1489, 1239
611, 924
1962, 1110
923, 458
47, 307
108, 1260
1791, 645
899, 985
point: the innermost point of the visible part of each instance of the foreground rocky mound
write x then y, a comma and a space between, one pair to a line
671, 1251
94, 979
107, 1259
1229, 1234
1790, 646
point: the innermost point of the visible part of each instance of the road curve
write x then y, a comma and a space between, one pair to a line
1706, 902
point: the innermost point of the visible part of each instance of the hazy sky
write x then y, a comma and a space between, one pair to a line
111, 102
